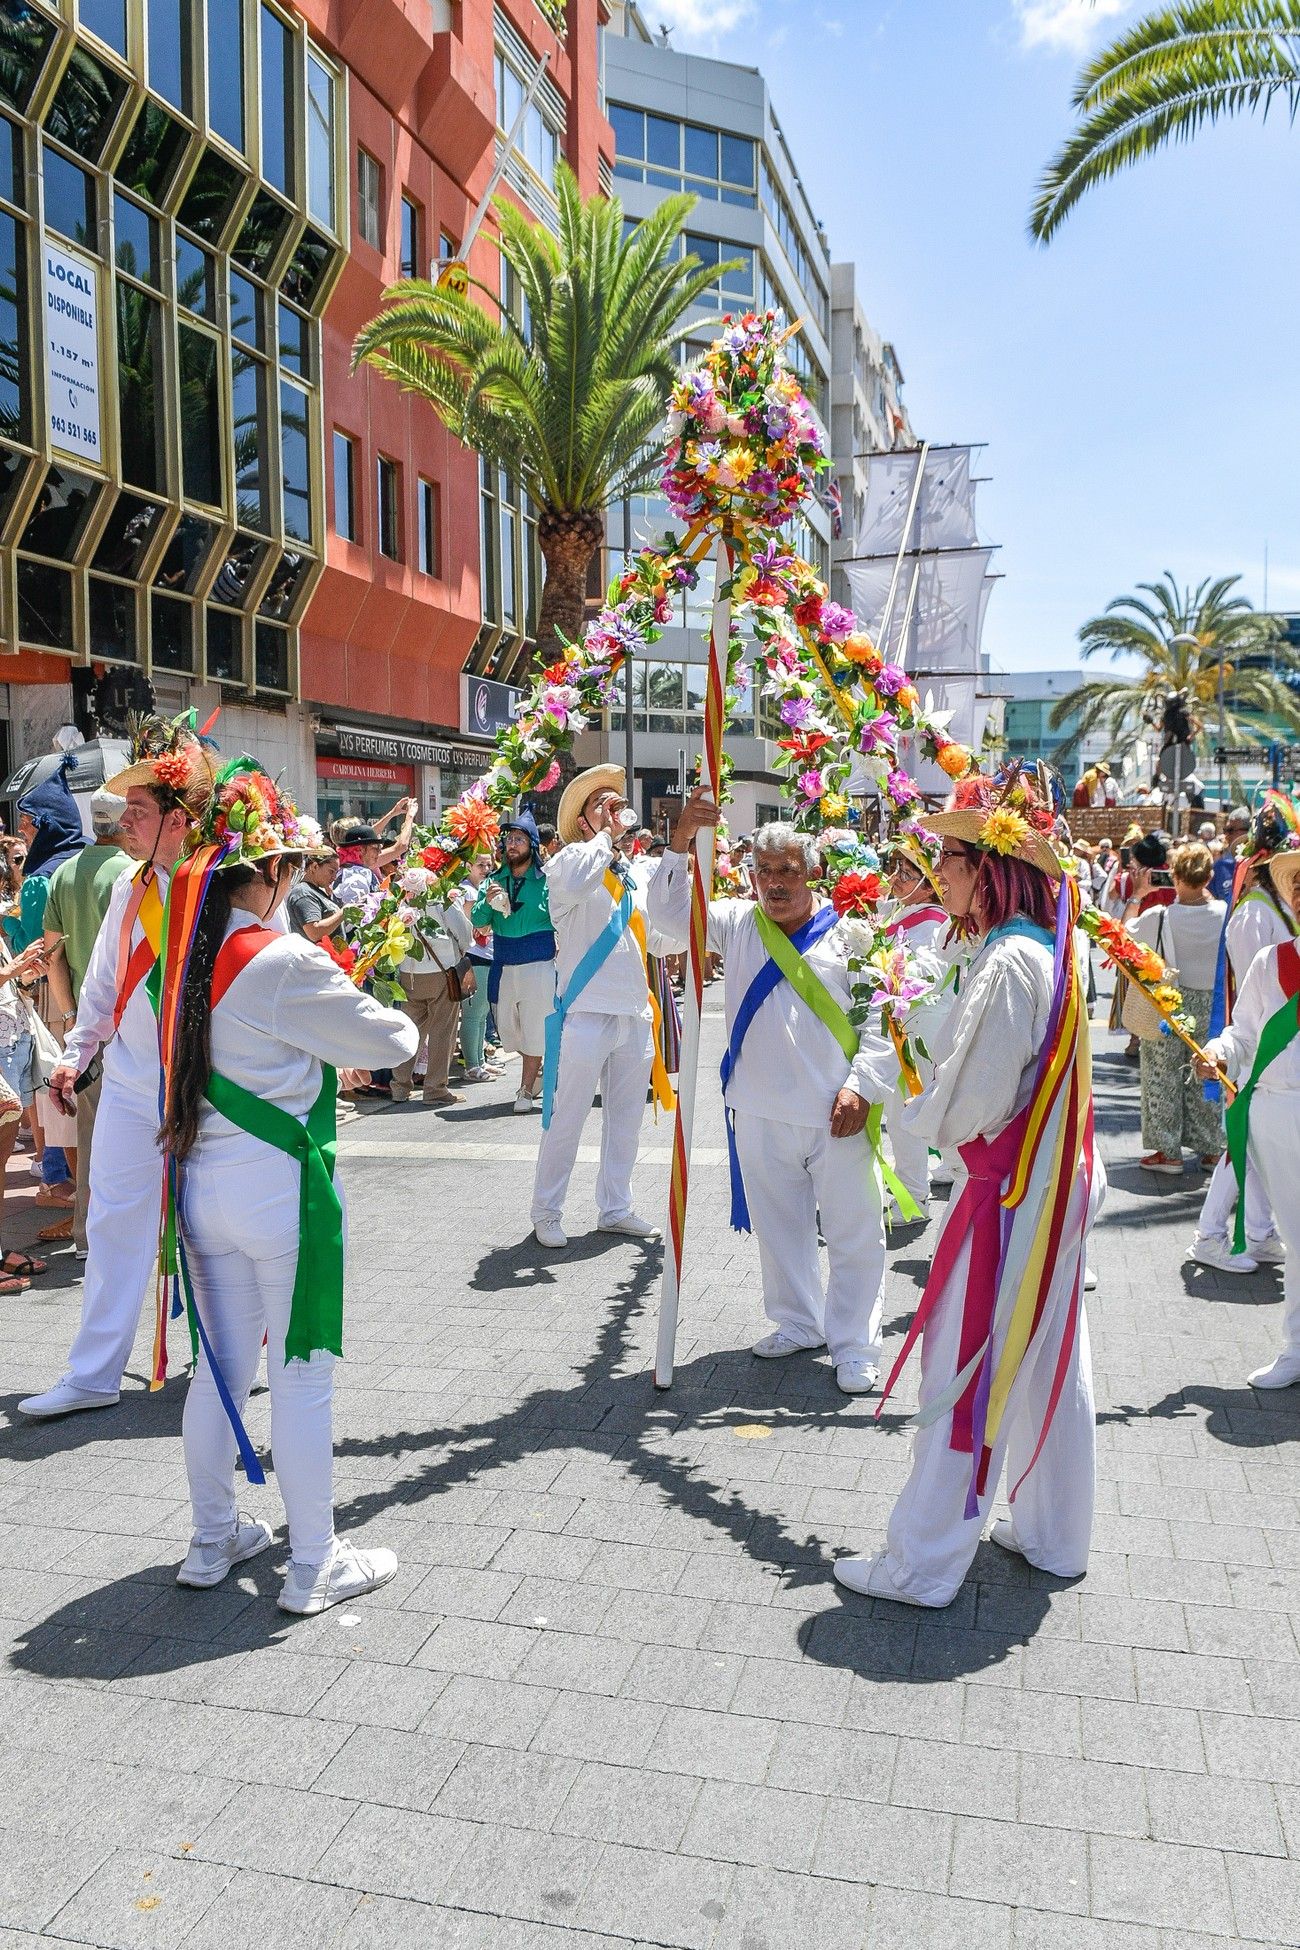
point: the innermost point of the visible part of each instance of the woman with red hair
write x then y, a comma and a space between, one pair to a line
1005, 1373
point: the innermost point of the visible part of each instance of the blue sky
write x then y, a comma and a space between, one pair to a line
1137, 382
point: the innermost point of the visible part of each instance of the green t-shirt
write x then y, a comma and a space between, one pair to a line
78, 901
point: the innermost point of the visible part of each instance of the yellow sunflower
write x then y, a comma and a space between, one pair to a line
1003, 831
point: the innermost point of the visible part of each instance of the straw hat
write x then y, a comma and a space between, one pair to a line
1284, 871
597, 778
1007, 818
168, 755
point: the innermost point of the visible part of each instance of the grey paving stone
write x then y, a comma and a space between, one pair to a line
262, 1912
1032, 1868
280, 1829
625, 1804
902, 1847
768, 1909
587, 1727
513, 1872
837, 1761
656, 1898
563, 1606
475, 1646
1143, 1736
1266, 1898
1186, 1679
494, 1784
719, 1746
939, 1922
39, 1875
683, 1676
1161, 1884
1240, 1815
1028, 1723
1100, 1797
736, 1821
576, 1662
1273, 1689
395, 1852
955, 1780
495, 1711
141, 1899
1251, 1750
390, 1768
401, 1699
455, 1592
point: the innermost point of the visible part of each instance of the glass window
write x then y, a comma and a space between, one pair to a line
487, 547
295, 462
139, 380
44, 606
295, 342
410, 259
86, 104
171, 633
70, 200
263, 232
428, 529
62, 507
271, 656
208, 200
664, 695
737, 160
171, 55
248, 408
320, 144
14, 357
200, 411
447, 247
135, 240
196, 278
11, 162
287, 577
106, 19
369, 194
509, 575
127, 534
629, 130
112, 622
390, 513
238, 572
185, 554
247, 306
307, 267
226, 70
663, 142
26, 37
277, 103
225, 656
701, 151
345, 486
153, 150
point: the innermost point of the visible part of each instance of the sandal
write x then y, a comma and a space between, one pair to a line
51, 1235
63, 1194
21, 1266
9, 1285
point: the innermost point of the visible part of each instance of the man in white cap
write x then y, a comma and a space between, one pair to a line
602, 1033
797, 1100
164, 790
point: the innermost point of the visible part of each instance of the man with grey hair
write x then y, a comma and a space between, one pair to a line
799, 1080
79, 891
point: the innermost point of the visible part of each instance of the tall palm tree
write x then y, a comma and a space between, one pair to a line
1173, 71
1181, 638
568, 395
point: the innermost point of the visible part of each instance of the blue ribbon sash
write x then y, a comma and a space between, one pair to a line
595, 958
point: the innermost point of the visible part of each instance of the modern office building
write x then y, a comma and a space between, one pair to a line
1031, 697
867, 411
200, 203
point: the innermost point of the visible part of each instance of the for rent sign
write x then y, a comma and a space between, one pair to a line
72, 352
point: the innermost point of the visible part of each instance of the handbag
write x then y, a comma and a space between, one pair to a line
1138, 1013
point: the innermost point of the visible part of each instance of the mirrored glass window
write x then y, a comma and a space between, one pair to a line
135, 240
85, 104
225, 657
196, 277
26, 37
127, 534
171, 633
44, 606
171, 54
277, 102
226, 70
210, 197
107, 20
62, 509
70, 199
185, 555
112, 622
15, 362
322, 199
154, 147
200, 414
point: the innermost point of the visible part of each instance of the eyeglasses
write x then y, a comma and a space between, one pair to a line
948, 853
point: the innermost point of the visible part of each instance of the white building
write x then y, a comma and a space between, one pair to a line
867, 411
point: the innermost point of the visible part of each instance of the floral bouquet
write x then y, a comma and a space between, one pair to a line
1141, 965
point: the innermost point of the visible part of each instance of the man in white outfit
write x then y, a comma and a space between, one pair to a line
601, 1034
798, 1103
115, 1015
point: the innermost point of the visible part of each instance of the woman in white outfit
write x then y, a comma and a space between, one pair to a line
920, 924
260, 1016
997, 882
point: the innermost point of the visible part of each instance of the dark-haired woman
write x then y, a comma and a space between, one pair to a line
261, 1014
1005, 1373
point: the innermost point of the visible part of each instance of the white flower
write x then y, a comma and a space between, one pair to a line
415, 881
858, 936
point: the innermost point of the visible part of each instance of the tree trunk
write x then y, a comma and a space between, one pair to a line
567, 542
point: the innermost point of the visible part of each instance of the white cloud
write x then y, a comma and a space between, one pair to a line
1069, 26
698, 18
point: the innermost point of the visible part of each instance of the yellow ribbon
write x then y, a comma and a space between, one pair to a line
664, 1096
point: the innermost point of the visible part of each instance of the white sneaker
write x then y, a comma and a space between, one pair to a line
208, 1563
349, 1573
869, 1578
524, 1102
1267, 1252
856, 1376
1282, 1373
775, 1346
894, 1214
634, 1226
1208, 1250
65, 1398
1004, 1537
549, 1232
1089, 1278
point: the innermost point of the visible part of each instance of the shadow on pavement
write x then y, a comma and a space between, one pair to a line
1244, 1418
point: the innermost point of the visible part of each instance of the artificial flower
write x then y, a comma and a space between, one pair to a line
1003, 831
856, 893
473, 821
954, 759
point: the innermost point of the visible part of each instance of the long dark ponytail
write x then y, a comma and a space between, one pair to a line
193, 1060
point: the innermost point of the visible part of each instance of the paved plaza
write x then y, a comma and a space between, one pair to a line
614, 1696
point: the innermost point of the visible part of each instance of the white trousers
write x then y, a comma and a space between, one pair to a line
1275, 1149
911, 1154
1217, 1211
931, 1542
792, 1172
612, 1054
121, 1237
241, 1234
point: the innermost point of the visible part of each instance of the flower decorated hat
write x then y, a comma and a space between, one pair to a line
1274, 830
251, 818
1011, 817
597, 778
171, 756
919, 844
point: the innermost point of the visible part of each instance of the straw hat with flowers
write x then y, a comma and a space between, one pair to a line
1011, 818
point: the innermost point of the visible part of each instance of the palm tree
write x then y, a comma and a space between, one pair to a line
1173, 71
568, 395
1182, 637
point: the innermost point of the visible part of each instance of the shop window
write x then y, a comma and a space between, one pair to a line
226, 70
44, 606
214, 187
139, 381
388, 478
287, 578
15, 366
295, 342
196, 278
311, 260
321, 192
225, 646
135, 240
85, 105
295, 462
62, 508
409, 265
155, 146
181, 568
264, 230
26, 37
171, 51
171, 633
112, 622
106, 20
428, 512
271, 657
69, 199
11, 163
345, 486
200, 415
127, 534
239, 571
248, 403
370, 186
247, 312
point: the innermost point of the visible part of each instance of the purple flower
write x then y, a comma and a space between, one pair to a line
796, 712
900, 787
810, 783
890, 679
837, 622
880, 734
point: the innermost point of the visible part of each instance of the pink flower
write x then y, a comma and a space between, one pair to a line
552, 778
810, 783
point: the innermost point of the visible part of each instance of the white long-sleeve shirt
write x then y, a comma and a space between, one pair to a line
130, 1055
986, 1052
1256, 923
580, 910
1260, 998
791, 1068
288, 1011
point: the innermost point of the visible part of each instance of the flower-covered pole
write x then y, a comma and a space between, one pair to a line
703, 857
1145, 969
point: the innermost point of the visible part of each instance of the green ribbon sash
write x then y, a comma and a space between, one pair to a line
316, 1310
813, 992
1278, 1031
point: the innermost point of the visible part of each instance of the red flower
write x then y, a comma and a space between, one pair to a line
436, 858
856, 893
808, 613
345, 958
